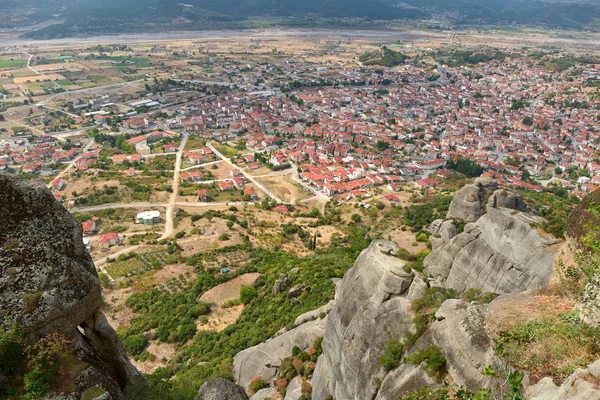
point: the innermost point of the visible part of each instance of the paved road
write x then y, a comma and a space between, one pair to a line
249, 177
39, 73
204, 204
201, 165
169, 214
117, 206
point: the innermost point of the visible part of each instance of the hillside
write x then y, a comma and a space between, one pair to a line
85, 18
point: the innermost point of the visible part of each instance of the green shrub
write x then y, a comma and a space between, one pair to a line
247, 293
392, 355
223, 237
421, 237
257, 384
434, 359
135, 344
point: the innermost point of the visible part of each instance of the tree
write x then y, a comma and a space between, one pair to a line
381, 145
356, 218
230, 224
525, 175
247, 293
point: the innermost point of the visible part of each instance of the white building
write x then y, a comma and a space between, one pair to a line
148, 217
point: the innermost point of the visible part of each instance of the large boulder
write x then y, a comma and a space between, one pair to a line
48, 284
264, 359
500, 253
220, 389
503, 198
468, 203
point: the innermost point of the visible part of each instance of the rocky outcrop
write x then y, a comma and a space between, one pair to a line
281, 284
469, 202
365, 316
48, 283
264, 359
503, 198
500, 253
581, 385
220, 389
441, 232
370, 307
459, 330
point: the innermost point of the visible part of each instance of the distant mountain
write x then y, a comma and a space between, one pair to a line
90, 17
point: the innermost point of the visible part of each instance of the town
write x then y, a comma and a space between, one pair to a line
290, 126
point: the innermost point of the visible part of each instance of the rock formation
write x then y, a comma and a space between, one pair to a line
500, 253
220, 389
48, 283
264, 359
469, 202
370, 307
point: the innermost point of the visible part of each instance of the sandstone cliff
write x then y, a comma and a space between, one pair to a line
48, 284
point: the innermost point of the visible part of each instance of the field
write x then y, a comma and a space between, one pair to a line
285, 189
12, 63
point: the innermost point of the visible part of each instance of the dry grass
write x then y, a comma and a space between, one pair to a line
543, 336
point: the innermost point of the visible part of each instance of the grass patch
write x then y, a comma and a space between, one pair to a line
194, 143
12, 63
552, 346
227, 151
124, 268
86, 85
92, 393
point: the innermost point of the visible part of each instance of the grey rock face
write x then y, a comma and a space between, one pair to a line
581, 385
441, 232
263, 394
264, 359
47, 278
370, 308
500, 253
281, 284
48, 283
468, 203
220, 389
502, 198
294, 389
460, 332
312, 315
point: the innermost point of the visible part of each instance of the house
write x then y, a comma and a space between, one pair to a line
251, 193
58, 184
238, 182
282, 209
148, 217
89, 227
392, 198
88, 244
108, 240
226, 185
170, 148
203, 195
119, 158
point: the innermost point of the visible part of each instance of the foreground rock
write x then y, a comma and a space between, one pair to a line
370, 307
220, 389
48, 284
